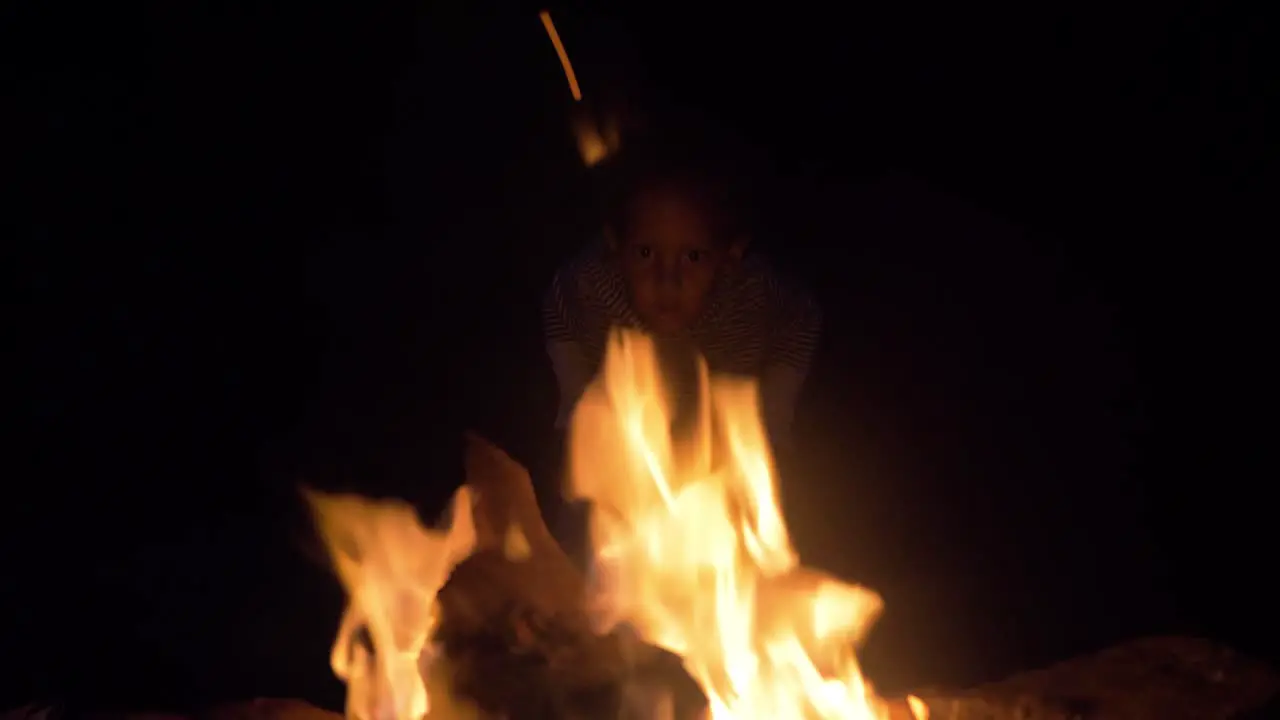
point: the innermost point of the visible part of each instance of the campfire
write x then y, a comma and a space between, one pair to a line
690, 555
695, 604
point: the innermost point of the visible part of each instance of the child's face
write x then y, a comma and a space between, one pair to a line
670, 259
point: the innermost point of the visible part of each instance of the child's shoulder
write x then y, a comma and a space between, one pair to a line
588, 283
758, 277
590, 258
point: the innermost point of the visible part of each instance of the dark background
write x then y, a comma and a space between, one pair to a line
259, 244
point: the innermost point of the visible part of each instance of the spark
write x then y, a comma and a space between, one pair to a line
564, 56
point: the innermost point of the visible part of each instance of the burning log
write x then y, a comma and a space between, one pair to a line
514, 609
516, 560
507, 633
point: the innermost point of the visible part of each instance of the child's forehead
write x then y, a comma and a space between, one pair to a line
676, 196
670, 214
667, 198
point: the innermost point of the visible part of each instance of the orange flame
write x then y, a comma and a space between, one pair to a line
692, 552
392, 569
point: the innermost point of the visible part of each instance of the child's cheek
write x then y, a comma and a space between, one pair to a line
700, 284
642, 291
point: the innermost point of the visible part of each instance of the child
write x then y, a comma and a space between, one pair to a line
673, 263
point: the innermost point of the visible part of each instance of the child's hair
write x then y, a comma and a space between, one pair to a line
684, 163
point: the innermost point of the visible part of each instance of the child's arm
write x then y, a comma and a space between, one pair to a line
564, 329
797, 327
562, 326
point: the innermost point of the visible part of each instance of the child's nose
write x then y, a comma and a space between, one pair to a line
670, 275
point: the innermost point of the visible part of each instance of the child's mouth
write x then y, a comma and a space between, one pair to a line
667, 320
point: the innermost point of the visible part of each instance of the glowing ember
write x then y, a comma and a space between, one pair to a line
392, 570
692, 552
598, 138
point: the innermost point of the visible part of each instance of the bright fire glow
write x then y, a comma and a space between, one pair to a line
691, 550
392, 569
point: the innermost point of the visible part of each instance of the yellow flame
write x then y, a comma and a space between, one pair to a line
560, 51
392, 569
691, 550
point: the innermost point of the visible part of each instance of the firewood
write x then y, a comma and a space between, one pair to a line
516, 557
514, 609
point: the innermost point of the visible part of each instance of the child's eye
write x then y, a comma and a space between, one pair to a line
695, 256
644, 251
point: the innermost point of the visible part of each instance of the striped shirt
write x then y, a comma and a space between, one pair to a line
755, 323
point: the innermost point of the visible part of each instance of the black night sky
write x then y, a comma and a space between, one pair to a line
260, 244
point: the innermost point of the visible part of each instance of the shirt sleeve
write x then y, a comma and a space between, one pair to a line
563, 327
793, 342
796, 330
561, 321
